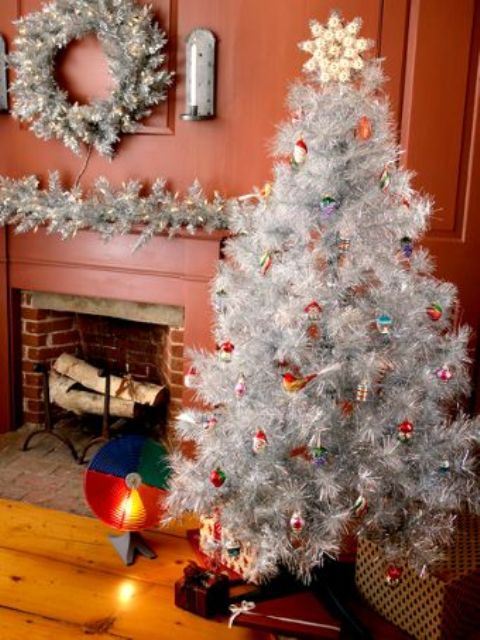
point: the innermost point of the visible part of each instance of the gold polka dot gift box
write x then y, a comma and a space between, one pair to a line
445, 604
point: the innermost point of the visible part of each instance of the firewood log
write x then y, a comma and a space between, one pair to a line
120, 388
80, 401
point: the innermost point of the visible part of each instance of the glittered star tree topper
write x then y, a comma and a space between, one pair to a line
336, 49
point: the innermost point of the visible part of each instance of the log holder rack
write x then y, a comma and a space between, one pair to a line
49, 426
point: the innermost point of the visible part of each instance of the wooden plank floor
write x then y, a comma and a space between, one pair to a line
60, 579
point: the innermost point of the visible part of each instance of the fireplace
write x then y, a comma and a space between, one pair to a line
143, 340
172, 275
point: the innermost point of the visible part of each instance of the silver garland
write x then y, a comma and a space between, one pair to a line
110, 211
133, 45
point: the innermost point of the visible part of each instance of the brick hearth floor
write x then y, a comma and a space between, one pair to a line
46, 474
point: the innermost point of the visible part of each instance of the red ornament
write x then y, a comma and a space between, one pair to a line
405, 431
297, 522
393, 575
217, 477
444, 374
301, 452
347, 407
363, 130
313, 332
435, 311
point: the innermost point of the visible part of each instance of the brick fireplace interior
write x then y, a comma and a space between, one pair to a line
144, 340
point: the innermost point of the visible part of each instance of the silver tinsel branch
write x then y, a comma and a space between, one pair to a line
133, 45
110, 211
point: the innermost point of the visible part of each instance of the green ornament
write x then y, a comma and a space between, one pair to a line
328, 205
320, 456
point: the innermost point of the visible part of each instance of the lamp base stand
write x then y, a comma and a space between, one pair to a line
129, 545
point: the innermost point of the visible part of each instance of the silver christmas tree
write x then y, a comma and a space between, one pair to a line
332, 396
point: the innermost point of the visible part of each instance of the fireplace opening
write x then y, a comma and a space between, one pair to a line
136, 342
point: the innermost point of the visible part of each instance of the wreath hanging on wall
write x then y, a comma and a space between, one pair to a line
133, 45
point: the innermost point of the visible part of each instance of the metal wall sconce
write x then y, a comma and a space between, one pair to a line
3, 76
200, 75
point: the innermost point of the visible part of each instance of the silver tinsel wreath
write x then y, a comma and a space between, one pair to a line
133, 45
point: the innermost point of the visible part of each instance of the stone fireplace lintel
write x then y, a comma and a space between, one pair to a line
124, 309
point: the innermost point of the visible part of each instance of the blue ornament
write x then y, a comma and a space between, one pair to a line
407, 246
444, 468
233, 548
384, 323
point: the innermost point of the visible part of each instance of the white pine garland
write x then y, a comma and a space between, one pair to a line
110, 211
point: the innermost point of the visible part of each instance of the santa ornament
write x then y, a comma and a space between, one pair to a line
313, 311
259, 442
225, 351
393, 576
405, 431
300, 152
